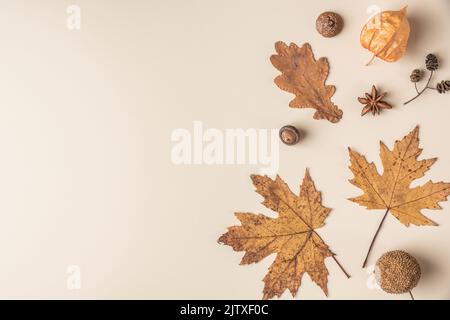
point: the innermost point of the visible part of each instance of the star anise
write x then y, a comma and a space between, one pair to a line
373, 102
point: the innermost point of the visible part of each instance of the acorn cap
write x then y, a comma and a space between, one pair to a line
397, 272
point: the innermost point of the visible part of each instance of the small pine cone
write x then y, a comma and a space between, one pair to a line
432, 62
416, 75
443, 86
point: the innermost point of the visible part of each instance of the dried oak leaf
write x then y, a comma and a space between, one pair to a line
291, 235
386, 35
391, 190
304, 76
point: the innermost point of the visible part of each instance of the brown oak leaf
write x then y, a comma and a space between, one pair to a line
304, 76
291, 236
391, 190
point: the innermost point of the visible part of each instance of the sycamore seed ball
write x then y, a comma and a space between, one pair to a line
397, 272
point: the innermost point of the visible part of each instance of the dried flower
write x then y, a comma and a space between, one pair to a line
386, 35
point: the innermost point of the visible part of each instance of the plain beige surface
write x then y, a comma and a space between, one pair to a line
85, 124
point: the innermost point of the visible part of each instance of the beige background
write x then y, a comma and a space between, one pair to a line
85, 124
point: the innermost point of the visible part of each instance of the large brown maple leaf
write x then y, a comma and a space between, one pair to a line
291, 235
304, 76
391, 190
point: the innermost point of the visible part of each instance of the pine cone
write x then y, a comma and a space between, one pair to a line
431, 62
443, 86
416, 75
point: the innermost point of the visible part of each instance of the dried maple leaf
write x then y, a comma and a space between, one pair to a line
305, 77
386, 35
291, 235
391, 190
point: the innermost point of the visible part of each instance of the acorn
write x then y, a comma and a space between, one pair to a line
329, 24
397, 272
289, 135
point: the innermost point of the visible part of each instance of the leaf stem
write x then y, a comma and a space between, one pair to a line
333, 255
422, 91
371, 60
374, 237
340, 266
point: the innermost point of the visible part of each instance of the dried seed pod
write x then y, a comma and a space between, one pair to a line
386, 35
329, 24
397, 272
374, 102
289, 135
443, 86
431, 61
416, 75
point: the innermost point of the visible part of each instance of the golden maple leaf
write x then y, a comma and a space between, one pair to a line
391, 190
304, 76
291, 235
